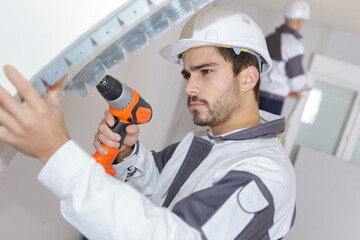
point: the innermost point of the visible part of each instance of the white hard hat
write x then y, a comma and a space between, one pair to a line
222, 27
297, 10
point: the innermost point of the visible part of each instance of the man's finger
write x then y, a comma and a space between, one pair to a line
23, 86
110, 120
5, 135
54, 92
108, 142
132, 129
98, 146
11, 106
8, 122
108, 133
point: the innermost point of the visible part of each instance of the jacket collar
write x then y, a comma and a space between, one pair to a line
270, 126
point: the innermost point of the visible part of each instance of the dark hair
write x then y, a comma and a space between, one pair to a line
240, 62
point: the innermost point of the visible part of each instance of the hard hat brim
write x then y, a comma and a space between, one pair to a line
172, 51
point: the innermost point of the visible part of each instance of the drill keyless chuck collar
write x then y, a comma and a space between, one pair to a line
110, 88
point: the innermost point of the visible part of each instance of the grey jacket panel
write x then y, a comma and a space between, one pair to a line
294, 66
198, 151
163, 156
200, 206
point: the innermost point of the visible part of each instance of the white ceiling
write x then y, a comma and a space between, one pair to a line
340, 14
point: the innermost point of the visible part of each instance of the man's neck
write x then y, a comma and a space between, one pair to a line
240, 119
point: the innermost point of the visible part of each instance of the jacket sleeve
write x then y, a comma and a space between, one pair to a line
142, 168
293, 56
295, 72
139, 170
102, 207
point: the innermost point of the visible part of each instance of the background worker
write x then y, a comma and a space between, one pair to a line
231, 180
286, 51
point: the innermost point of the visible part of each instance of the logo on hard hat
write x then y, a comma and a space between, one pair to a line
246, 20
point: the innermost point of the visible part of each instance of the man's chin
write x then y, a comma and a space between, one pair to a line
200, 122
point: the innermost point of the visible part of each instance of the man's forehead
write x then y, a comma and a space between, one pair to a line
201, 55
200, 49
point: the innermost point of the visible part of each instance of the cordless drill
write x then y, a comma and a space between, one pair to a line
127, 107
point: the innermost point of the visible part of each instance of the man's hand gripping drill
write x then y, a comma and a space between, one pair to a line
128, 108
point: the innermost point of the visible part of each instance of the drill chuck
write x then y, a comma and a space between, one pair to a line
118, 95
110, 88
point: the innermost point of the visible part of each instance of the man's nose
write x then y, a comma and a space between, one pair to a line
192, 86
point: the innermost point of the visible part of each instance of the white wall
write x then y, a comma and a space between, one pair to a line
328, 197
35, 32
27, 209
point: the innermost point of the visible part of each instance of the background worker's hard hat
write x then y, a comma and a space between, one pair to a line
297, 10
219, 26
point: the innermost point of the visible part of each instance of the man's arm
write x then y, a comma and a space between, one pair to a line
294, 52
101, 207
295, 72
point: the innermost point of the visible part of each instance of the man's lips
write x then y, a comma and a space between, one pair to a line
196, 104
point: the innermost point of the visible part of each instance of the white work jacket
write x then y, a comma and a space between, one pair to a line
287, 74
239, 185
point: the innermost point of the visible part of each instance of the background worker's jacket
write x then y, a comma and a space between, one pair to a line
287, 73
239, 185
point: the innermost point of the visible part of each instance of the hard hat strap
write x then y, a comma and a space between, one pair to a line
262, 66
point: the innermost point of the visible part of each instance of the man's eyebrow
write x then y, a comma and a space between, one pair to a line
194, 68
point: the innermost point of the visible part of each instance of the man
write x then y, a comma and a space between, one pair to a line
286, 51
231, 181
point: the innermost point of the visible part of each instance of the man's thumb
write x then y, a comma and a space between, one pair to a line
54, 92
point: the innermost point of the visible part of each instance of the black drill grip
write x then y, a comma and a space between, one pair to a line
120, 128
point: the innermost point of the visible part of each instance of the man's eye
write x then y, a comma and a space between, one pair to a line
206, 71
186, 76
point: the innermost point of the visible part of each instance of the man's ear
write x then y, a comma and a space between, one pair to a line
249, 78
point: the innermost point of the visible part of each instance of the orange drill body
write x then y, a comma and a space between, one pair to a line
128, 108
